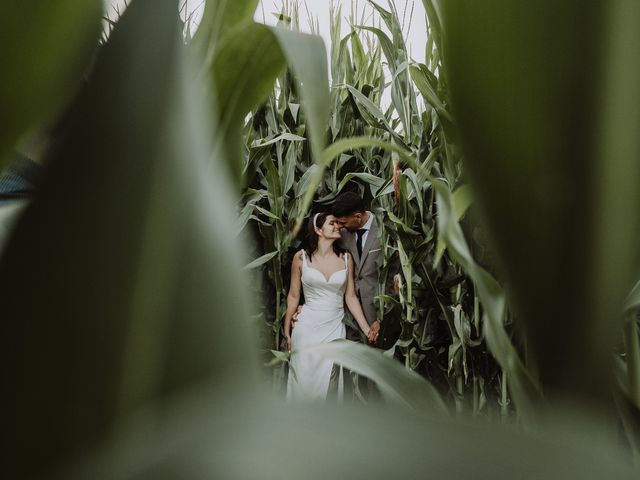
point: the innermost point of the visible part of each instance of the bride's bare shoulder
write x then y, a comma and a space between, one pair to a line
296, 263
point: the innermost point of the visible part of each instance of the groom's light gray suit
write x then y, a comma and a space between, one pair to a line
367, 267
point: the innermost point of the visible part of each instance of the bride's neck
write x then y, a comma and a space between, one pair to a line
325, 247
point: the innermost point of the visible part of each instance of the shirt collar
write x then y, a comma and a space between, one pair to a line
367, 226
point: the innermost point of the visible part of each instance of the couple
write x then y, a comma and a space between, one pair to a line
338, 267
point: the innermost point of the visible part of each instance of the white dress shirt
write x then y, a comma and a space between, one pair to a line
366, 227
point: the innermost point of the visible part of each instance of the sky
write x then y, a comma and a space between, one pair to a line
414, 22
414, 25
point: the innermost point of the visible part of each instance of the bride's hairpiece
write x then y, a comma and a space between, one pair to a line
315, 219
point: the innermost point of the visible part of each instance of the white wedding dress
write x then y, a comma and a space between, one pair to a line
319, 322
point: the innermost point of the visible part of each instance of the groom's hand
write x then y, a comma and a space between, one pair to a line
374, 331
294, 318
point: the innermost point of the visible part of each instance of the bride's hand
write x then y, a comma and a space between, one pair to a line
288, 338
372, 335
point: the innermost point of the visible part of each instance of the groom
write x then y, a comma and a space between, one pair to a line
360, 238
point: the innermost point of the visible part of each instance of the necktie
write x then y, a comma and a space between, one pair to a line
360, 233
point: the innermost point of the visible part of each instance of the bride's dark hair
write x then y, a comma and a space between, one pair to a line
312, 236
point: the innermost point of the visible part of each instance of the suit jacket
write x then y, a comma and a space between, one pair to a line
366, 267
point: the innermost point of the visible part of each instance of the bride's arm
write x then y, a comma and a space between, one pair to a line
352, 300
293, 298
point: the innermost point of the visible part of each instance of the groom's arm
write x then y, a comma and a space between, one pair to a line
391, 284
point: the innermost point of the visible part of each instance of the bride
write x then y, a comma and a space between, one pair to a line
326, 275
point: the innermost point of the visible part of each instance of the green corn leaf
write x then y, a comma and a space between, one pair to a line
344, 433
291, 160
304, 183
260, 260
274, 185
243, 218
307, 57
391, 21
401, 224
633, 299
283, 136
395, 382
523, 388
267, 213
417, 188
372, 180
385, 43
244, 68
434, 15
377, 118
385, 190
45, 51
420, 77
219, 18
125, 301
279, 357
357, 50
461, 199
354, 143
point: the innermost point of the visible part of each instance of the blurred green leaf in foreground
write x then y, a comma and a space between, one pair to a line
45, 47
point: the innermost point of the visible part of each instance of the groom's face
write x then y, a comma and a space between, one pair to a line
350, 222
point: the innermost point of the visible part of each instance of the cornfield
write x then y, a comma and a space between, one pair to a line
435, 326
140, 304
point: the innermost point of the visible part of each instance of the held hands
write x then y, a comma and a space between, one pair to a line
374, 332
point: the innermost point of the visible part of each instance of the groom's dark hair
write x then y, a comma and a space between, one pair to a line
347, 204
